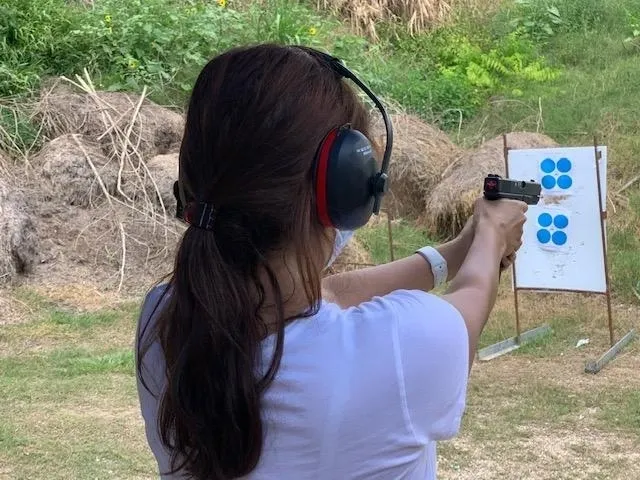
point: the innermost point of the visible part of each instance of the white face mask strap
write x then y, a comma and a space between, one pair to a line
341, 240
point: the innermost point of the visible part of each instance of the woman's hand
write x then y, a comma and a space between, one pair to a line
506, 218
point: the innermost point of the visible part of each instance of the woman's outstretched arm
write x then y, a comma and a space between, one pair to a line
410, 273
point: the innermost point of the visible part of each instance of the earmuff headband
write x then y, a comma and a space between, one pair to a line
380, 182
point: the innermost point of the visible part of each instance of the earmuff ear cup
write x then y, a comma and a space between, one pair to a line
345, 170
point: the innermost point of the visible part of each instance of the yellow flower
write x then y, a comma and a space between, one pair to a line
222, 3
133, 63
107, 19
312, 31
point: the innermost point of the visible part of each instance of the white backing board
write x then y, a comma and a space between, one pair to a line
562, 243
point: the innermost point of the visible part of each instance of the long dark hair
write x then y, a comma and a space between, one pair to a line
256, 118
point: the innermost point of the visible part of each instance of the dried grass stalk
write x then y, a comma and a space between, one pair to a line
363, 15
14, 140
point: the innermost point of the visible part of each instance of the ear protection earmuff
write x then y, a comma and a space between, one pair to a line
349, 187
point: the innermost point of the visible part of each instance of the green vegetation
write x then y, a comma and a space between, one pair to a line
67, 400
406, 240
164, 43
129, 44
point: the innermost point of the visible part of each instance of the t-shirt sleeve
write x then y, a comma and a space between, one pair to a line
432, 349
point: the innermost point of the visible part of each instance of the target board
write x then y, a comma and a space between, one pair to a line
562, 243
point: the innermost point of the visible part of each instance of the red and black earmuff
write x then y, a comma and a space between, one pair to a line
349, 186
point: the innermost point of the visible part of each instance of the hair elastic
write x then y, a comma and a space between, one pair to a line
200, 215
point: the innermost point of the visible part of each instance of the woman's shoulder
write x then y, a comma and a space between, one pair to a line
416, 319
410, 305
153, 300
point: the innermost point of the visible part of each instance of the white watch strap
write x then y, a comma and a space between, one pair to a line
438, 264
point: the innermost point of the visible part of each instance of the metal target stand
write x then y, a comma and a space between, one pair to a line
508, 345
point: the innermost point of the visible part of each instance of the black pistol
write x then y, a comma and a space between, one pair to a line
496, 187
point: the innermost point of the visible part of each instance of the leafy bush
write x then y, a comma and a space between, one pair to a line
158, 43
543, 19
449, 73
535, 21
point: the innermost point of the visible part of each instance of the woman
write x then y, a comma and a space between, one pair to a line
251, 364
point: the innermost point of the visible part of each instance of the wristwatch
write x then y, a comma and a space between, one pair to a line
438, 264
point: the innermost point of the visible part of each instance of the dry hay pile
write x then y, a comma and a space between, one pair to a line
164, 171
72, 167
111, 246
121, 122
101, 188
421, 153
451, 202
18, 240
75, 170
364, 15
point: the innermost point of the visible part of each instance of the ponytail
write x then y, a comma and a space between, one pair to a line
210, 332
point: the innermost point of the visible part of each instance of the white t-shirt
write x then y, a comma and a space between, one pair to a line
361, 393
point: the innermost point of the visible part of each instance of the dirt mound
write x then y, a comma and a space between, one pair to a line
100, 221
71, 165
18, 241
451, 201
121, 122
112, 246
421, 153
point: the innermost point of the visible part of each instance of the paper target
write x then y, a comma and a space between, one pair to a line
562, 244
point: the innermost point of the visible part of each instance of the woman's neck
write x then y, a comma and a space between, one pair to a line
293, 296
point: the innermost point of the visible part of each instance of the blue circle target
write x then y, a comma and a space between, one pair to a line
564, 181
548, 165
543, 235
561, 221
545, 219
559, 238
548, 182
564, 165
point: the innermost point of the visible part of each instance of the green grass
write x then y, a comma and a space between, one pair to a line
68, 400
622, 411
51, 325
68, 397
406, 240
567, 327
64, 363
